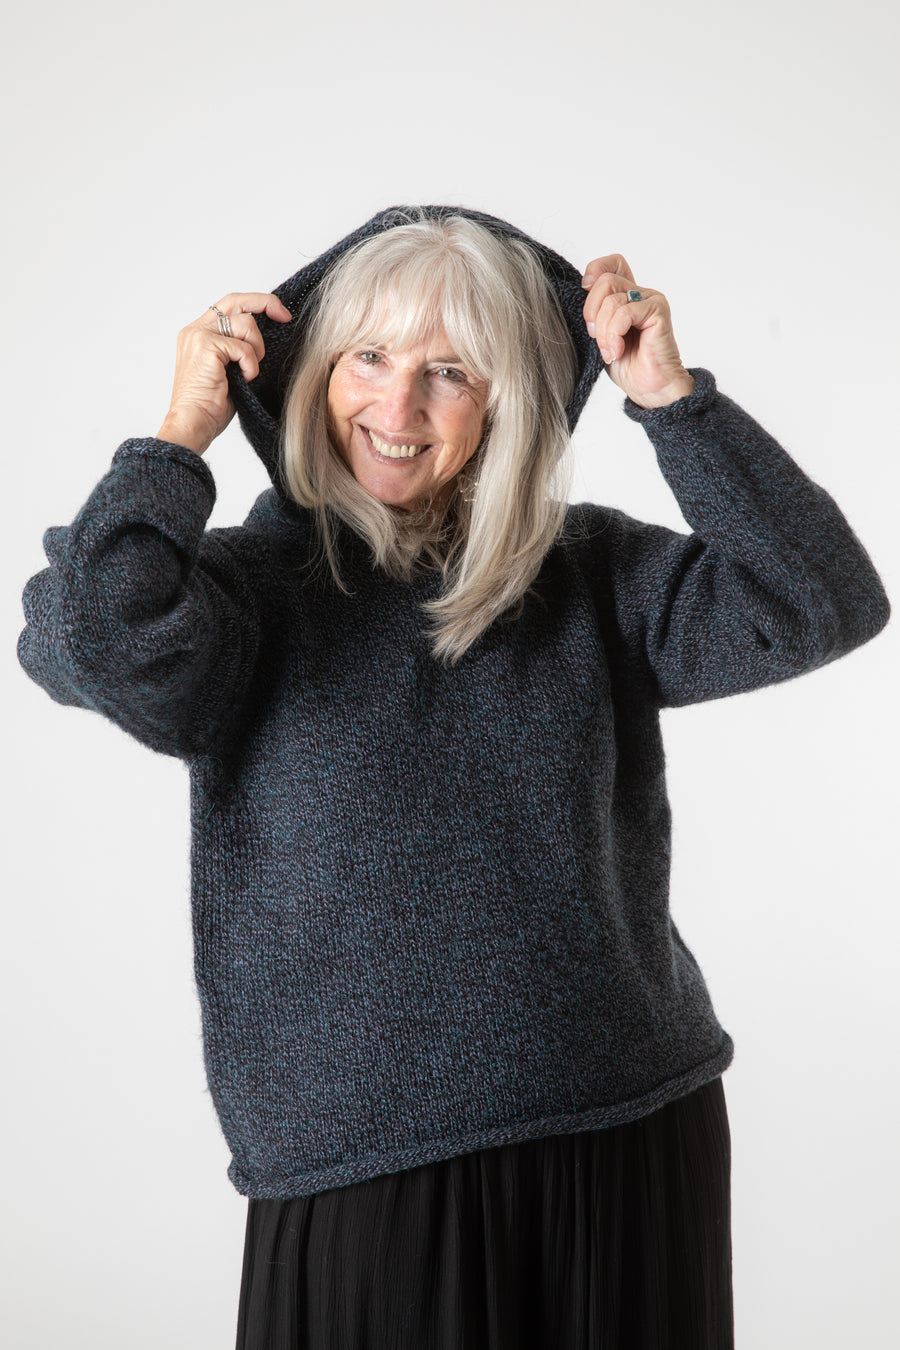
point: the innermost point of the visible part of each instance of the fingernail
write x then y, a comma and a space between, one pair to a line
592, 329
588, 280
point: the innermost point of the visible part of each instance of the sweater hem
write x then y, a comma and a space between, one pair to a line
441, 1150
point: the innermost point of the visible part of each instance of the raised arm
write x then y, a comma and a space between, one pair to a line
139, 617
772, 582
142, 615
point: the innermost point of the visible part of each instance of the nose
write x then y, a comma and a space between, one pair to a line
401, 405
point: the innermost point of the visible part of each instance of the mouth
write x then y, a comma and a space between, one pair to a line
389, 451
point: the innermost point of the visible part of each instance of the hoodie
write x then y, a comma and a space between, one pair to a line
430, 906
259, 403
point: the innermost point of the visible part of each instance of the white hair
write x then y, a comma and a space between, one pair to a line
490, 295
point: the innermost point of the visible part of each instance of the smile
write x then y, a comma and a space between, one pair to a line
383, 450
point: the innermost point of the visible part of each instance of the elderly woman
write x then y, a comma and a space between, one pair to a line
467, 1068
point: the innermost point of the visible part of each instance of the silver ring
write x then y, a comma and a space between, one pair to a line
635, 295
224, 322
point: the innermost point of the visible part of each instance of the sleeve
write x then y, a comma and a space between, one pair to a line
771, 584
141, 616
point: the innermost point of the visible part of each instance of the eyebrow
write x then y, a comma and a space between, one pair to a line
452, 360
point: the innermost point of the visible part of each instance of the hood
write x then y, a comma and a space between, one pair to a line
259, 403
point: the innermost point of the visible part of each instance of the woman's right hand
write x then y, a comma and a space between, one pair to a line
201, 406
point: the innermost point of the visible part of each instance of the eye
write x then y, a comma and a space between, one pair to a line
452, 374
368, 358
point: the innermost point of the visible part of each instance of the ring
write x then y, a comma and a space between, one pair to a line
224, 322
635, 295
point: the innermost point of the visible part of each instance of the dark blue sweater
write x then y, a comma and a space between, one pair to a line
430, 905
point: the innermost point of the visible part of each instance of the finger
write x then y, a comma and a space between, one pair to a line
614, 320
609, 285
621, 316
243, 326
204, 344
613, 262
242, 353
254, 302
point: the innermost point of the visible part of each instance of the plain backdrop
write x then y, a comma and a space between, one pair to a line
743, 158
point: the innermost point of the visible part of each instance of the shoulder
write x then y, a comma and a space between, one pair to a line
606, 544
592, 529
268, 549
271, 526
273, 516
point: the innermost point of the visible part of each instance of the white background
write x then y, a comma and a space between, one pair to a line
744, 159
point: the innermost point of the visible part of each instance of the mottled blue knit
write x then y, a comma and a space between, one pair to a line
431, 904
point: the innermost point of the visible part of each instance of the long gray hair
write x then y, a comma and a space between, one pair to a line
496, 306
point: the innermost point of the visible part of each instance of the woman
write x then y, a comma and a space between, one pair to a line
467, 1068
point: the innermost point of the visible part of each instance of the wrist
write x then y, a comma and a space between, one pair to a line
180, 432
680, 387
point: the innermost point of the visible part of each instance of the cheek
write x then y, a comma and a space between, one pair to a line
338, 412
474, 428
333, 400
338, 396
347, 394
464, 423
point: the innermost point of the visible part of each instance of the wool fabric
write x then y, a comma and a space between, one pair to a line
431, 904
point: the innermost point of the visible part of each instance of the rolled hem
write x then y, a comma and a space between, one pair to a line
439, 1150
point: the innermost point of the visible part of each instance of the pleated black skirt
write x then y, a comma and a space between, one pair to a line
613, 1239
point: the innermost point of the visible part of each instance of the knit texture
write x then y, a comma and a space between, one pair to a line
430, 905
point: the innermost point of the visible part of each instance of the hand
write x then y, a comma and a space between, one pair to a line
634, 336
201, 406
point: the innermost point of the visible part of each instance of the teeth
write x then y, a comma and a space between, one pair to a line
394, 451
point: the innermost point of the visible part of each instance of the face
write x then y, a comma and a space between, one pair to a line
406, 422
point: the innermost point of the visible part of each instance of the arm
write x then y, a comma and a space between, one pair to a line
772, 583
140, 616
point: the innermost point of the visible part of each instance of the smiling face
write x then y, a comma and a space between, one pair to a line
406, 421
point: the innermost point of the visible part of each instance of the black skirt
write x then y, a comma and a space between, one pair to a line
613, 1239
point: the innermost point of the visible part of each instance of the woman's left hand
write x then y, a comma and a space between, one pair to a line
635, 337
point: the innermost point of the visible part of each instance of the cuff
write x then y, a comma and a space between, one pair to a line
137, 446
700, 398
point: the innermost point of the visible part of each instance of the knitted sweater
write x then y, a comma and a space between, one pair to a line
430, 904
